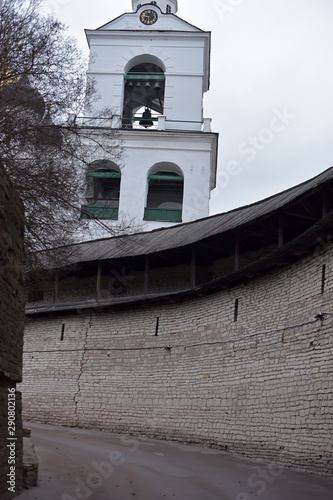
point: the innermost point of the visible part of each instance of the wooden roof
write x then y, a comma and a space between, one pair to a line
183, 235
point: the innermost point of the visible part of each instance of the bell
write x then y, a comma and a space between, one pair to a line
157, 87
147, 86
130, 85
146, 119
138, 85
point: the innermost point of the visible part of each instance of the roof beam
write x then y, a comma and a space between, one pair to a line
301, 216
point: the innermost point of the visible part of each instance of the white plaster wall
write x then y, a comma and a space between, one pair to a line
184, 57
193, 153
191, 156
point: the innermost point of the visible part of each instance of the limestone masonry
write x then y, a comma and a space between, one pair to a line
258, 382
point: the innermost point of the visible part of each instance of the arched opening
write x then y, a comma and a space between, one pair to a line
168, 9
103, 191
143, 95
165, 193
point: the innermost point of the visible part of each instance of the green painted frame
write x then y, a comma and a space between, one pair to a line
93, 212
163, 214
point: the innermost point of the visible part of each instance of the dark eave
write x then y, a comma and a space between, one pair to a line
304, 245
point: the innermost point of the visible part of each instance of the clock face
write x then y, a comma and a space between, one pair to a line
148, 17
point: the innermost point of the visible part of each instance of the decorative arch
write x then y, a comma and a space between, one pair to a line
144, 90
165, 193
103, 190
144, 58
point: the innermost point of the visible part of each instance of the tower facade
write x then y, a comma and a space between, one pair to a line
151, 69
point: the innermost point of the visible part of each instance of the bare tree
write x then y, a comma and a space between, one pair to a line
42, 81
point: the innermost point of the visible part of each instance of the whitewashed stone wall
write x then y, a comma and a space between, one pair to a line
261, 385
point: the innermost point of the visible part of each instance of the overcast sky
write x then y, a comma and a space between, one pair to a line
271, 93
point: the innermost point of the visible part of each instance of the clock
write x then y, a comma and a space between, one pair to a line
148, 17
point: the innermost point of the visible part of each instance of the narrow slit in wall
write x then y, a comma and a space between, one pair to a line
62, 332
157, 326
236, 310
323, 278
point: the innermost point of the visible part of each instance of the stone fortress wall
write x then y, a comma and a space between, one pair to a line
248, 369
11, 329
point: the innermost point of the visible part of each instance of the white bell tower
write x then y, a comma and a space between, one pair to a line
152, 69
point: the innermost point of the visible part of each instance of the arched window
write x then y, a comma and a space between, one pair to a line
103, 191
168, 9
165, 194
143, 95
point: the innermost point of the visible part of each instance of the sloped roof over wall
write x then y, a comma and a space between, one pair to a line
247, 242
193, 232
